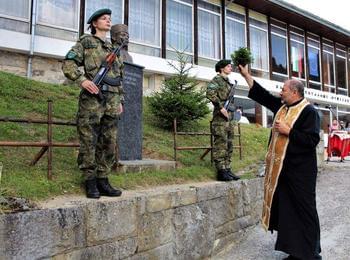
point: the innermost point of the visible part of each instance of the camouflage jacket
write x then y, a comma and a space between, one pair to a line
89, 52
218, 90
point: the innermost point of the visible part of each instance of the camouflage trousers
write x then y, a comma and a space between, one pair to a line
97, 130
223, 144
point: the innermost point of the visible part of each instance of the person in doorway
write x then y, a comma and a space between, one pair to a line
291, 169
238, 114
96, 117
218, 91
335, 126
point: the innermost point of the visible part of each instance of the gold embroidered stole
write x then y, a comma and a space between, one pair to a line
275, 155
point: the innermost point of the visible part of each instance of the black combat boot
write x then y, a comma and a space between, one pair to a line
224, 176
234, 176
91, 189
106, 189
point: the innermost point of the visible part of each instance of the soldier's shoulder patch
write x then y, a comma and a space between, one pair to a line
71, 55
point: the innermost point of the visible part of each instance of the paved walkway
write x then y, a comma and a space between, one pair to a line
333, 202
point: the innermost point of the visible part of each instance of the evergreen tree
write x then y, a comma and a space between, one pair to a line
179, 97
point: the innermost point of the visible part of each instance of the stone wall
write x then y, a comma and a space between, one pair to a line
43, 69
176, 222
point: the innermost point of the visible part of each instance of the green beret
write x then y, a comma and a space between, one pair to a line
221, 64
99, 13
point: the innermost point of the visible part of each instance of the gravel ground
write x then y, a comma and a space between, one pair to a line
333, 202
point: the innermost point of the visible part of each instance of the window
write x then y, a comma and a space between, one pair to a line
235, 29
313, 49
179, 26
340, 60
209, 44
116, 7
58, 19
14, 15
259, 44
279, 52
144, 26
297, 53
328, 66
348, 65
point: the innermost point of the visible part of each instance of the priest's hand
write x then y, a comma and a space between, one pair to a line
245, 74
282, 128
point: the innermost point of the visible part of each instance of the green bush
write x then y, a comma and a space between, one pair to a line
242, 56
179, 97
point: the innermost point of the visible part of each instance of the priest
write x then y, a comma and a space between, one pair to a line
291, 169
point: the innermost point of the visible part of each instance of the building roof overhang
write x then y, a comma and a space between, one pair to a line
293, 15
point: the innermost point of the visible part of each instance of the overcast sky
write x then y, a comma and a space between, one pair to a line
335, 11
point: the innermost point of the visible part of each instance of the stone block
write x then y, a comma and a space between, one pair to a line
155, 229
194, 233
41, 233
236, 200
115, 250
160, 253
235, 226
213, 191
184, 197
219, 210
159, 201
111, 220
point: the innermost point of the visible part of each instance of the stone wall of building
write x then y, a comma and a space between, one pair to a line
176, 222
43, 69
12, 62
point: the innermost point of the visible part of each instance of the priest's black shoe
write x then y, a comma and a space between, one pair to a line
234, 176
224, 176
91, 189
106, 189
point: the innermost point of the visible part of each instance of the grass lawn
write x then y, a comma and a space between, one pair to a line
23, 98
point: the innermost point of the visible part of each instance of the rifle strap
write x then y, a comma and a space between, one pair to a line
115, 82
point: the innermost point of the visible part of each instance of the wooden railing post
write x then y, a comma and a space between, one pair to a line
49, 139
175, 145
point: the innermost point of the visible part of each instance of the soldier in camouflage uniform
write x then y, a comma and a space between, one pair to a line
96, 117
218, 90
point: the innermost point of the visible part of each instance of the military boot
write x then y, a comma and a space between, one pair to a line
91, 189
106, 189
234, 176
223, 175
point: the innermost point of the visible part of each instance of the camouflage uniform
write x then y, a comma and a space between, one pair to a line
218, 90
96, 119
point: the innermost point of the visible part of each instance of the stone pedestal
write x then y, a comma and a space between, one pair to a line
130, 124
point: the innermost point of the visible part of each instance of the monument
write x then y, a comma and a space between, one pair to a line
130, 123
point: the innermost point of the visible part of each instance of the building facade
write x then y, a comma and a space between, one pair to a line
286, 42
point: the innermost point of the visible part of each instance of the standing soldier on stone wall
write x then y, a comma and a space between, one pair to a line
218, 91
96, 117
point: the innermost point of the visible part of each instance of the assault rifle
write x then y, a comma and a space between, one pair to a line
229, 104
105, 68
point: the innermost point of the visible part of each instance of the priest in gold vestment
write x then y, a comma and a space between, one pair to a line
291, 169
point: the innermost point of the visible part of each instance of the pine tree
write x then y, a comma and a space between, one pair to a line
179, 97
